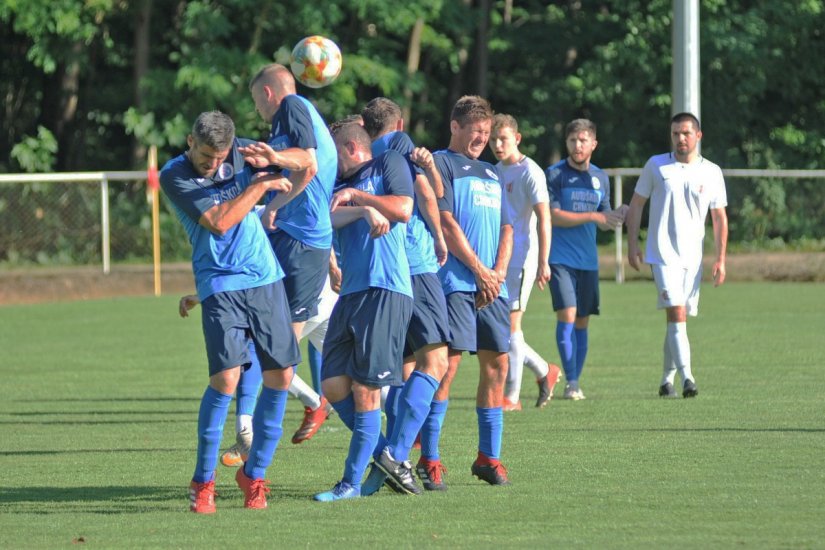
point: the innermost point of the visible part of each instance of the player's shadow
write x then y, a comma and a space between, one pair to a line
107, 400
51, 452
90, 499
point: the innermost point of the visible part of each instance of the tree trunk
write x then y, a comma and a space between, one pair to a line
482, 50
413, 60
143, 20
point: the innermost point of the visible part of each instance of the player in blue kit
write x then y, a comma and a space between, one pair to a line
364, 346
476, 223
579, 202
297, 221
239, 284
425, 355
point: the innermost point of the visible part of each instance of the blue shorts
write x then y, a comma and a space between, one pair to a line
230, 319
306, 269
429, 323
478, 329
365, 338
578, 288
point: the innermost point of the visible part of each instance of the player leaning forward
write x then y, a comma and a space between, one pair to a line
239, 284
682, 186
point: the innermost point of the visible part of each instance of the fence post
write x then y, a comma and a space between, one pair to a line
104, 223
617, 192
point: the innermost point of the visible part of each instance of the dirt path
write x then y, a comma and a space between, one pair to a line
83, 283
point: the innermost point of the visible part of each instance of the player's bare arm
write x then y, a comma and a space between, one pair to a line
719, 217
606, 221
505, 252
187, 303
294, 159
396, 208
544, 227
345, 215
428, 206
487, 280
633, 220
422, 157
222, 217
335, 276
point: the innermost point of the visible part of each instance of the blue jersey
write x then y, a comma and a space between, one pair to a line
576, 191
474, 195
420, 247
305, 218
238, 260
381, 262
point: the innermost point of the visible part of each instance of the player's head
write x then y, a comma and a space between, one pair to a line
470, 123
685, 134
353, 145
349, 119
269, 87
210, 142
381, 116
505, 138
580, 139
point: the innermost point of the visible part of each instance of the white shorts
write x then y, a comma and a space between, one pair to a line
315, 329
520, 279
678, 286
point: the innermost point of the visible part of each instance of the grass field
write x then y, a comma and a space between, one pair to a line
100, 401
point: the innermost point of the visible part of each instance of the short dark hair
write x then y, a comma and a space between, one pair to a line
349, 119
347, 132
580, 125
272, 75
471, 108
682, 117
380, 115
500, 120
214, 129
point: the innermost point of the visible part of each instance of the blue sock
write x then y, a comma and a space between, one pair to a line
413, 409
346, 411
490, 428
249, 385
391, 407
364, 438
431, 429
212, 415
566, 341
581, 350
267, 425
315, 367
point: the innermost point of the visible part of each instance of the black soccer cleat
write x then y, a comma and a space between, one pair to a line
490, 470
667, 390
689, 389
399, 473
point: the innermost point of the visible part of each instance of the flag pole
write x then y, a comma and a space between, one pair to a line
153, 185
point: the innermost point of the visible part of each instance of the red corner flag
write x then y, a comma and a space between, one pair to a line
152, 179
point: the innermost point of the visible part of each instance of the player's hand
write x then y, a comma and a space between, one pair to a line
634, 255
441, 252
489, 286
335, 278
274, 181
186, 303
269, 218
623, 210
611, 220
719, 273
344, 197
543, 275
422, 157
379, 225
259, 155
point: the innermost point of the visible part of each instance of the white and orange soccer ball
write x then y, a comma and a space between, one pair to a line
316, 61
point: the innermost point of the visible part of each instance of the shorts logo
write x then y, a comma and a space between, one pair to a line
595, 182
665, 296
383, 375
300, 310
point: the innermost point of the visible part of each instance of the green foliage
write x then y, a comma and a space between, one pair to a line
36, 154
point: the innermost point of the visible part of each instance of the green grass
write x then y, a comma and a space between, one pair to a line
99, 412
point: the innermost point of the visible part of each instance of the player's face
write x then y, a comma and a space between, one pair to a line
580, 148
262, 97
685, 138
204, 158
504, 144
470, 139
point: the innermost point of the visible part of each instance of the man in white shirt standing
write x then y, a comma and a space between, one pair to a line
682, 186
529, 203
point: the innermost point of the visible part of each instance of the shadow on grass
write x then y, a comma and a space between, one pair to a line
105, 399
99, 412
95, 500
49, 452
94, 422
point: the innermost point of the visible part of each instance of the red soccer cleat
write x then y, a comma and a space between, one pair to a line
431, 473
490, 470
508, 406
254, 490
202, 497
313, 419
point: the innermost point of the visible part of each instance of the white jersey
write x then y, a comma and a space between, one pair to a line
526, 187
680, 196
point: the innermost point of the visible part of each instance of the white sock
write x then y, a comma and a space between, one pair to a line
677, 339
534, 361
243, 421
668, 365
384, 391
304, 392
512, 387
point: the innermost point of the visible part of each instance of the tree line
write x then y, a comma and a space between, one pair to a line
90, 84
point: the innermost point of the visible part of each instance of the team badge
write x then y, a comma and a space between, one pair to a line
595, 182
224, 172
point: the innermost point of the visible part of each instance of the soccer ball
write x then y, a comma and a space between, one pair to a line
316, 61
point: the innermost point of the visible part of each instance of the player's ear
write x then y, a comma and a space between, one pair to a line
454, 127
518, 138
190, 141
399, 125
